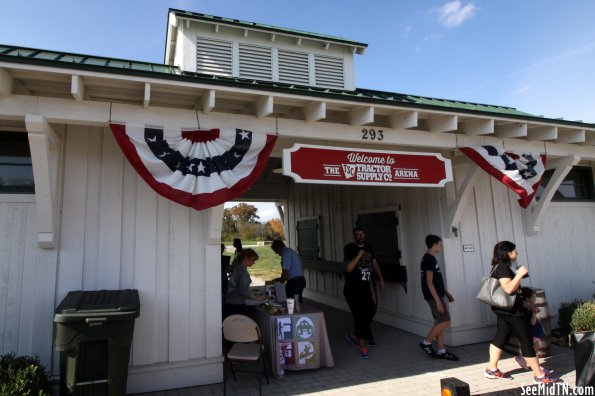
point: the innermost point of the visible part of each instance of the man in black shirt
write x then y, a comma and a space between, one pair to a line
434, 291
359, 237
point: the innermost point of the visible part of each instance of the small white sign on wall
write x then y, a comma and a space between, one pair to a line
468, 248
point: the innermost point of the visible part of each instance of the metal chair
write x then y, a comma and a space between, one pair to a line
245, 347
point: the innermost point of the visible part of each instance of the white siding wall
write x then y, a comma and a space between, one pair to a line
116, 233
561, 258
27, 282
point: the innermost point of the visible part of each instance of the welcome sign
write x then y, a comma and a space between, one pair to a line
351, 166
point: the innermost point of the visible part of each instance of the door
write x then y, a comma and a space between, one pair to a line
381, 234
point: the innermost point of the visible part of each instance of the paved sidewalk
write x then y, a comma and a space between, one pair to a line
397, 367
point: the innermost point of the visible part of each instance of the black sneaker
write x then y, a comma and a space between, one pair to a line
447, 356
372, 343
427, 349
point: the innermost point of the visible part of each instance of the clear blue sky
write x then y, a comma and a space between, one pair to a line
537, 56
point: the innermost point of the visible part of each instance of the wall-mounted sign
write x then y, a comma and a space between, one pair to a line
468, 248
340, 165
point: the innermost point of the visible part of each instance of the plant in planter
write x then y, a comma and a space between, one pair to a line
23, 375
565, 312
583, 335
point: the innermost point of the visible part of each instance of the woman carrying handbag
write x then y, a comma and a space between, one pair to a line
512, 321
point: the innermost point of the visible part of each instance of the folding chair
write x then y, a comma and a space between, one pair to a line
243, 335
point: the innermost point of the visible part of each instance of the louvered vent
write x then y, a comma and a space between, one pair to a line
213, 57
293, 67
255, 62
329, 72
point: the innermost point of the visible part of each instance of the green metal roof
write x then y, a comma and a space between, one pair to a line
40, 57
55, 58
269, 28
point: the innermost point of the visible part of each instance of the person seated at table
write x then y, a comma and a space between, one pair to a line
238, 285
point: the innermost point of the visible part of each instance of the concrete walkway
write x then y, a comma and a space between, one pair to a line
397, 367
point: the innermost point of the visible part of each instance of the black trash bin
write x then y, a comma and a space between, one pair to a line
93, 332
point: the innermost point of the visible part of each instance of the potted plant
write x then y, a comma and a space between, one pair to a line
23, 375
583, 335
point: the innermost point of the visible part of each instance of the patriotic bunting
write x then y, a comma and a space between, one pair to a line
198, 168
521, 173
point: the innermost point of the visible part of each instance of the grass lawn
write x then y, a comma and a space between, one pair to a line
268, 265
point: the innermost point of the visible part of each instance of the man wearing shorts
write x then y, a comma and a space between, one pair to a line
432, 286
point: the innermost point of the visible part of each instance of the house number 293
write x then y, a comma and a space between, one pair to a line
372, 134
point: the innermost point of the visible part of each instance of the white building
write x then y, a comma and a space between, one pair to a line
90, 222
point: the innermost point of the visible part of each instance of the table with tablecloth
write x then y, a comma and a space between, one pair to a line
295, 342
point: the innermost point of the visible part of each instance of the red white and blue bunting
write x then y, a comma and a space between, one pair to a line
195, 168
519, 172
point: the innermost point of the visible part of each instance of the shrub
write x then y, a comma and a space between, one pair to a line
23, 375
565, 315
583, 318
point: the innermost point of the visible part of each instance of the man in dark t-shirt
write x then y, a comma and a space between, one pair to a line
359, 238
434, 291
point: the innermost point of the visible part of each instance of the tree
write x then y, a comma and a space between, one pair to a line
240, 221
250, 231
244, 213
273, 229
229, 228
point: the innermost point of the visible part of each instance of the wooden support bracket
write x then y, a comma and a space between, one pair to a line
45, 156
535, 213
5, 83
315, 111
147, 95
208, 101
77, 88
264, 106
455, 210
361, 115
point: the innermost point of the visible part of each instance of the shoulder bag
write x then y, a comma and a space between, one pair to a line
491, 293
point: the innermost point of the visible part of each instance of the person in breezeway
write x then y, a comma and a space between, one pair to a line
238, 286
434, 291
359, 238
359, 294
292, 272
237, 244
225, 268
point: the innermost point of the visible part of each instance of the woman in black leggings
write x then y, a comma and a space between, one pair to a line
512, 321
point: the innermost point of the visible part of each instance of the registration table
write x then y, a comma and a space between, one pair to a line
295, 342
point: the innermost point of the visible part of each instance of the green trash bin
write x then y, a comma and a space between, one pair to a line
93, 333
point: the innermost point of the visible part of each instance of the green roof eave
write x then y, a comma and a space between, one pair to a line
117, 66
79, 61
273, 29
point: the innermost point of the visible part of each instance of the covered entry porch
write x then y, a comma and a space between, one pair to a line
397, 366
